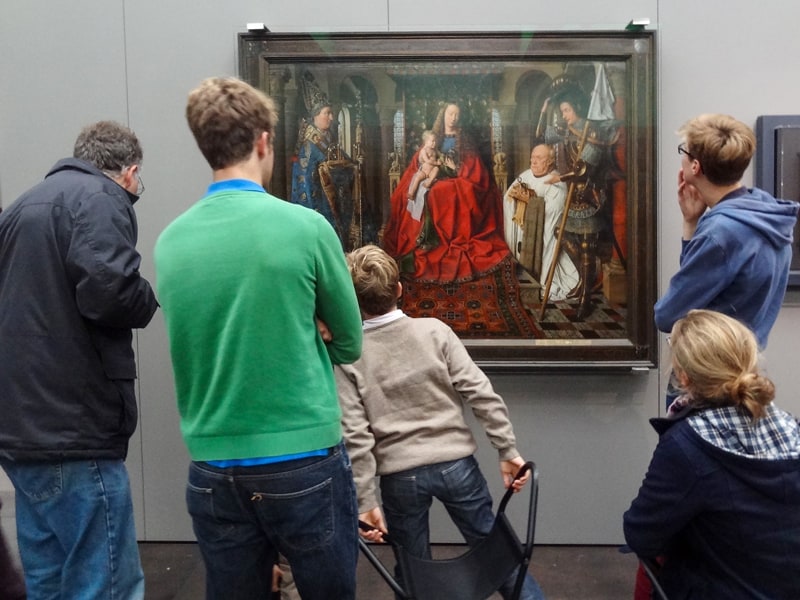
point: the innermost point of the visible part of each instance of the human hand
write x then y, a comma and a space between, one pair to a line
509, 468
326, 334
374, 518
691, 204
555, 177
276, 578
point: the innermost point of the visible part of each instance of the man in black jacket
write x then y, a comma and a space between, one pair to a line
70, 294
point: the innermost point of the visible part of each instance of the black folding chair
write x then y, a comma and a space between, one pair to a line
476, 574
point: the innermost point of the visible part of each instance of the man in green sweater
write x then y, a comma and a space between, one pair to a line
243, 279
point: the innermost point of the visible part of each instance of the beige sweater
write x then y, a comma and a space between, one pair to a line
402, 403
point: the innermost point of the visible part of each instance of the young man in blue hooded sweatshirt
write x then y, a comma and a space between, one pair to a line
737, 241
736, 246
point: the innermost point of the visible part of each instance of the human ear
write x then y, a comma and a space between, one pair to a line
262, 143
129, 179
683, 378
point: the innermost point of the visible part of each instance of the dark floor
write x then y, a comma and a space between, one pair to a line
174, 571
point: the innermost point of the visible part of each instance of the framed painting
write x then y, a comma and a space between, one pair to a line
777, 171
510, 174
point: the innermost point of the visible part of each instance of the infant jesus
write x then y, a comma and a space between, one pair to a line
429, 163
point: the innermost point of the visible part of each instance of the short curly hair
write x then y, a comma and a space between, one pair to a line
375, 277
109, 146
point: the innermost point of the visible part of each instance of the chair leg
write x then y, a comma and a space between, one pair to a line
523, 570
651, 567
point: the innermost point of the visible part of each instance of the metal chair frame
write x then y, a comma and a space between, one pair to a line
474, 575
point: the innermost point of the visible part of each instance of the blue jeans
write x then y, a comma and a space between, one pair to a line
305, 509
461, 487
75, 530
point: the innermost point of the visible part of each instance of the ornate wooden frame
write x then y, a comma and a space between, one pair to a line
514, 67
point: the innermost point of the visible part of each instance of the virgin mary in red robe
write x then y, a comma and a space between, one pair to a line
458, 234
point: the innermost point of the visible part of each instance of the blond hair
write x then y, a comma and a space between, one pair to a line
722, 145
226, 116
375, 278
719, 357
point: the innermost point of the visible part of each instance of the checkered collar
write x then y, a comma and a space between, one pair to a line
775, 436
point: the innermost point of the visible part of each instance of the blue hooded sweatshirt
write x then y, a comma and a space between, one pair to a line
736, 263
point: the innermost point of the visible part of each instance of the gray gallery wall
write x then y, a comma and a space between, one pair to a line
66, 64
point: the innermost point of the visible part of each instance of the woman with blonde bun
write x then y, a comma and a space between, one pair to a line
720, 503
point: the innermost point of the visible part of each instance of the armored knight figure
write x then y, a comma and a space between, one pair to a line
584, 161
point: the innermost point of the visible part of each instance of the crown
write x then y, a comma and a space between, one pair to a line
313, 96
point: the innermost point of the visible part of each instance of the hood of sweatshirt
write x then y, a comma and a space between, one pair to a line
759, 211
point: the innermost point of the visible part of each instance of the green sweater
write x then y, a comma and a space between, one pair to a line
241, 276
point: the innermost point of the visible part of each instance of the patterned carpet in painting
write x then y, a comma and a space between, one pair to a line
489, 306
505, 304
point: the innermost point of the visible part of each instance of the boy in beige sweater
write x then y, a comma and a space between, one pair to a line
402, 405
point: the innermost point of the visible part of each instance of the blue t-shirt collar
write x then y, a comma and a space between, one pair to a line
237, 185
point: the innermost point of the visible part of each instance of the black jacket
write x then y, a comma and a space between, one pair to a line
727, 524
70, 293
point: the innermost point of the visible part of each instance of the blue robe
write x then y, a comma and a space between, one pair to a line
307, 186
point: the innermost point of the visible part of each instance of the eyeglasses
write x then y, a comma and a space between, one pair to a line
118, 177
682, 150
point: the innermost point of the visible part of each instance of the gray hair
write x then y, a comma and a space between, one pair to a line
109, 146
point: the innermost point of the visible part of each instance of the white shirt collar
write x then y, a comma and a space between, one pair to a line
383, 319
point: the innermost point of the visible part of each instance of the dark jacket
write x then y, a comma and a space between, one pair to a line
70, 293
728, 525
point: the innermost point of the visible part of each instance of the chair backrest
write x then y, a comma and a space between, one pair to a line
479, 572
